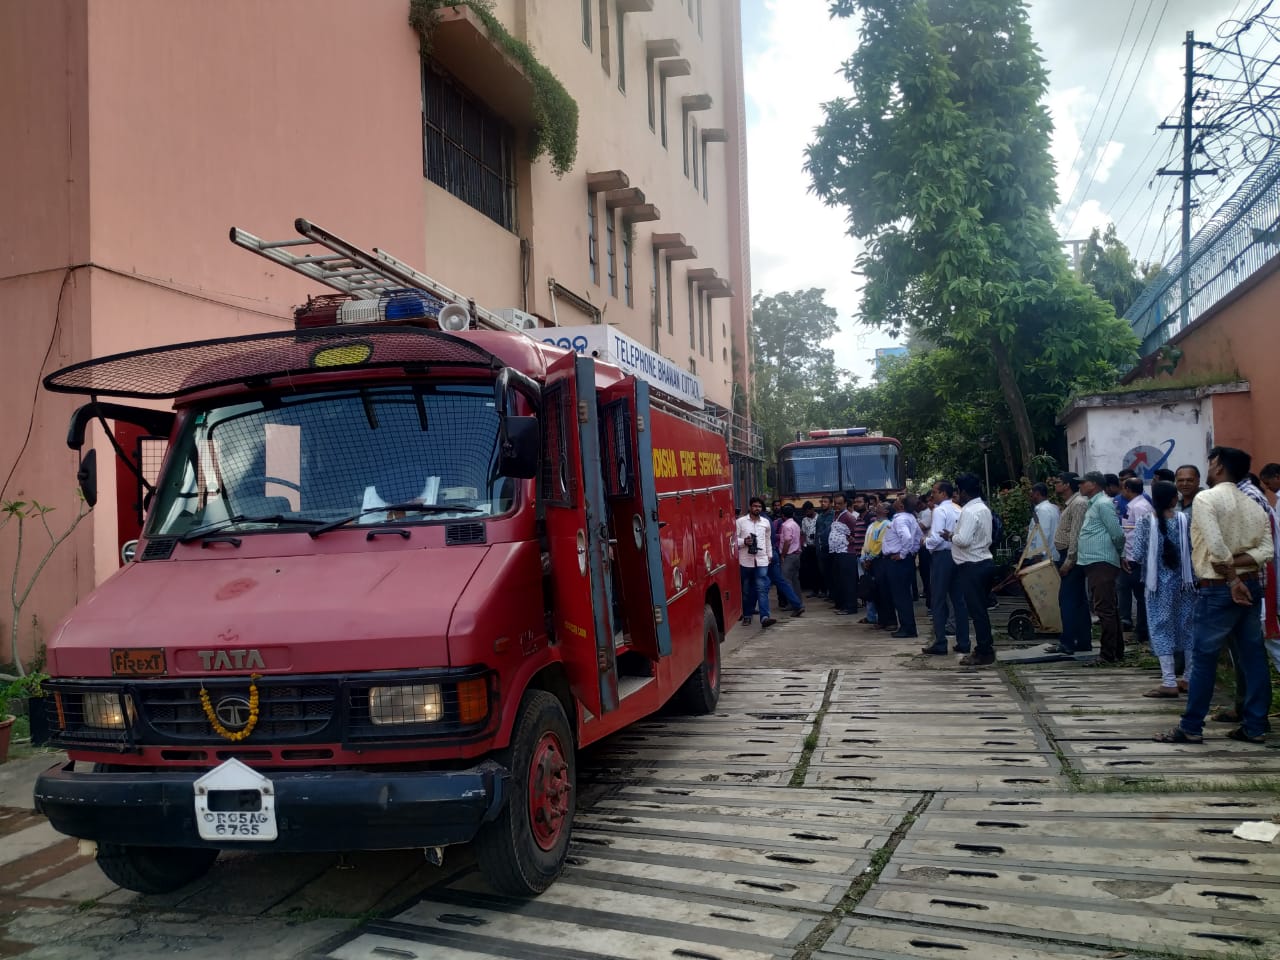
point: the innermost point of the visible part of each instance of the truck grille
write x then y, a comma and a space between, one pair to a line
285, 711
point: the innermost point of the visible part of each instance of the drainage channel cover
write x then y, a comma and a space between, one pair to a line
1210, 858
991, 760
1104, 925
865, 939
577, 921
1245, 806
977, 778
1171, 896
1182, 833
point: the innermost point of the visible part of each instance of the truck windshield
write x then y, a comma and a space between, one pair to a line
283, 461
827, 468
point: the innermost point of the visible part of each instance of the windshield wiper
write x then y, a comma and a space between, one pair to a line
207, 529
401, 507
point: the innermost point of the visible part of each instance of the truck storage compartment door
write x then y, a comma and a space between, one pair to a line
573, 497
627, 435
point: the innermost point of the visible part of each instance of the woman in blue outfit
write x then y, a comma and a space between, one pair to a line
1162, 545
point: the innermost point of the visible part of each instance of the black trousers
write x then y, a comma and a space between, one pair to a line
902, 576
975, 584
885, 609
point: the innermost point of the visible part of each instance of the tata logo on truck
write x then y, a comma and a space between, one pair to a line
230, 659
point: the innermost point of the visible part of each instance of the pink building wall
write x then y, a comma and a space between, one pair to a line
144, 137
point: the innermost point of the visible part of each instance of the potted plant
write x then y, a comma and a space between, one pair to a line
16, 689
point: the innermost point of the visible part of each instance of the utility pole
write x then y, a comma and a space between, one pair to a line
1188, 173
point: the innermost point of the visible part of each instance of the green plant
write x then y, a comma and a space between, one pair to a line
19, 689
555, 112
20, 512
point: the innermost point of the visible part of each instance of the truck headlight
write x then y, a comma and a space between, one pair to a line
405, 703
106, 711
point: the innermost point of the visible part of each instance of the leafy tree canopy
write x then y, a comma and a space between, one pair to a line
1108, 267
941, 159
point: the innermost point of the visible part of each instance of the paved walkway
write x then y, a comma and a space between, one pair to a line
849, 799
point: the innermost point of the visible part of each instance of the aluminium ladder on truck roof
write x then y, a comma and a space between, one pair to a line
359, 273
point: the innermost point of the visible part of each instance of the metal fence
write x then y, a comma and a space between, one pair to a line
1242, 236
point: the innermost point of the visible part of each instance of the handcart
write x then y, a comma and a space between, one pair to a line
1039, 586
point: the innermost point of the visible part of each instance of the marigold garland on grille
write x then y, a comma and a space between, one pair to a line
212, 717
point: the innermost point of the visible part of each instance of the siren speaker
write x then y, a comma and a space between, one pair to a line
454, 317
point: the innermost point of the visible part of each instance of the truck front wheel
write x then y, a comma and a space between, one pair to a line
523, 851
154, 869
700, 693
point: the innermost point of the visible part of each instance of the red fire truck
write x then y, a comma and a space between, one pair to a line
391, 578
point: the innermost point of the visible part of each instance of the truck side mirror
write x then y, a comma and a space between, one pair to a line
87, 477
519, 445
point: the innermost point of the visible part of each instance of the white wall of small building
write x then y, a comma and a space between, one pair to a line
1106, 438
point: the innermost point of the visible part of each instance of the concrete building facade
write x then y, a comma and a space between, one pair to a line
143, 130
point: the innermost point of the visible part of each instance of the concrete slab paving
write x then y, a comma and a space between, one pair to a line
1097, 924
884, 759
1258, 806
979, 779
863, 938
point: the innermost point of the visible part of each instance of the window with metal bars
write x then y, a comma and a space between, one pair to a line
702, 340
648, 74
586, 23
621, 19
611, 249
691, 339
593, 239
694, 152
705, 173
671, 322
466, 148
627, 294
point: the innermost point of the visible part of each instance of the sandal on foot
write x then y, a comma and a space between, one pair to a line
1225, 715
1239, 734
1163, 692
1177, 735
1183, 686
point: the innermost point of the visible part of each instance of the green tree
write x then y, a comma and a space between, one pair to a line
1108, 267
791, 371
941, 160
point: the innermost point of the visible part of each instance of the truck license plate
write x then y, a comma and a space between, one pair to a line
235, 803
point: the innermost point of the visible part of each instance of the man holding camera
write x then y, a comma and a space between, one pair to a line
755, 549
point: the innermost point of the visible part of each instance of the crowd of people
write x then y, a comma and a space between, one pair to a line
861, 553
1188, 566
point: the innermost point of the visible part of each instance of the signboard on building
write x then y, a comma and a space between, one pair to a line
608, 343
884, 353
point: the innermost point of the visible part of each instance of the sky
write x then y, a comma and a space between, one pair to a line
1115, 72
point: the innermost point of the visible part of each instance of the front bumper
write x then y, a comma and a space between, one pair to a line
316, 810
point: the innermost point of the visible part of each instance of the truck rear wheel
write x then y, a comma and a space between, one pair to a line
523, 851
701, 692
154, 869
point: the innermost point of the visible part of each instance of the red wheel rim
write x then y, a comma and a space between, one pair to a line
712, 656
549, 791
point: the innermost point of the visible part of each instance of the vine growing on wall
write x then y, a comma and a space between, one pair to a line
555, 113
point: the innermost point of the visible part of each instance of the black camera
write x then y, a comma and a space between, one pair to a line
753, 546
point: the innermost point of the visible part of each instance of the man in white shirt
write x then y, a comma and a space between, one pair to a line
943, 583
901, 544
754, 539
1043, 526
971, 551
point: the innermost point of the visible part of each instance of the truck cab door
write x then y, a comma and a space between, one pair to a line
573, 504
627, 434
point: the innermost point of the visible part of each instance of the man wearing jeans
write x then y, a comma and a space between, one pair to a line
755, 548
971, 551
1230, 545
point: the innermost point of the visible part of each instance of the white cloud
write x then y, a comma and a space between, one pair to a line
796, 241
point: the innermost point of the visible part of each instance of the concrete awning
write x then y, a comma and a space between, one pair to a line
635, 6
658, 49
630, 197
674, 67
715, 135
605, 180
682, 253
717, 292
696, 101
642, 213
461, 45
702, 274
666, 241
